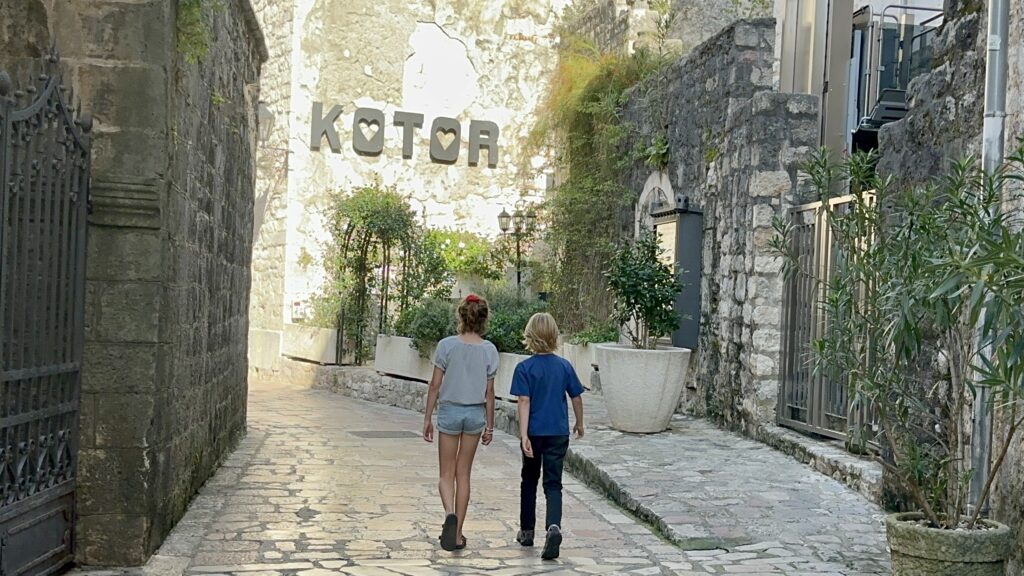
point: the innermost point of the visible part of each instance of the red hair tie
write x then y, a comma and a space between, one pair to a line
472, 298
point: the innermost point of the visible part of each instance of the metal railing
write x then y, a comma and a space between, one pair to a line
809, 400
44, 192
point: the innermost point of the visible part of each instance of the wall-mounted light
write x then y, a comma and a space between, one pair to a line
266, 122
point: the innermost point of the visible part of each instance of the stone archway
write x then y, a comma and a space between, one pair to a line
657, 190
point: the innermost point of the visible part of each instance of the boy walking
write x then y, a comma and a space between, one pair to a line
543, 382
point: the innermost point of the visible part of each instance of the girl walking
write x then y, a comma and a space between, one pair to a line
543, 384
462, 389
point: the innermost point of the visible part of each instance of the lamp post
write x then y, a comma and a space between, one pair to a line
519, 224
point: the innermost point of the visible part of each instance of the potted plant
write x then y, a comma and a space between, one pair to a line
642, 381
925, 306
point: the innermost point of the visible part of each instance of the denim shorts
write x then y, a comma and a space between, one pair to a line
455, 419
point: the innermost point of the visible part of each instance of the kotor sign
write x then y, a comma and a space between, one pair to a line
368, 134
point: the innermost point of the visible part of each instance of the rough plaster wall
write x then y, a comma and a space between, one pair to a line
459, 58
270, 221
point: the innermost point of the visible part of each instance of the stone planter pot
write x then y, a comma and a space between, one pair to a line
395, 356
583, 357
921, 551
641, 388
506, 368
310, 343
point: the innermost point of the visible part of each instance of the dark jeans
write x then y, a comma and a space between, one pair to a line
549, 454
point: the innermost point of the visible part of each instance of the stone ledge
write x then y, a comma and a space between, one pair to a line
860, 474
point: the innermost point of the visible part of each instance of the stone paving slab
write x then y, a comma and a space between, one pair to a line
313, 490
730, 503
310, 493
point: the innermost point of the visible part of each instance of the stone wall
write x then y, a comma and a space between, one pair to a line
622, 25
267, 301
207, 248
607, 25
735, 148
1008, 499
946, 105
169, 242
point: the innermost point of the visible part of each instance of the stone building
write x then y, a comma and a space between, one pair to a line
172, 87
471, 62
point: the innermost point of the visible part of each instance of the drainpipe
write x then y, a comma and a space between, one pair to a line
992, 142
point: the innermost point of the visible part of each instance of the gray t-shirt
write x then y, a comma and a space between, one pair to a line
467, 368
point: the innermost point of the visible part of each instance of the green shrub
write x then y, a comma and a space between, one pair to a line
427, 323
469, 254
509, 315
596, 333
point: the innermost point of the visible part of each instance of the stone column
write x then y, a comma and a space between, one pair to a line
163, 397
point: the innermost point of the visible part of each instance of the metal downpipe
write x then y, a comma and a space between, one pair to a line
993, 142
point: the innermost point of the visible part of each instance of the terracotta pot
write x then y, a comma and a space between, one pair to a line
922, 551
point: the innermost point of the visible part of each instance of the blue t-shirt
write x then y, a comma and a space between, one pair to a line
546, 380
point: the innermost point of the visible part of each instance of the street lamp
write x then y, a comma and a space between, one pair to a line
520, 223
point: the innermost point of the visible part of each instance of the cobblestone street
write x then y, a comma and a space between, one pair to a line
324, 484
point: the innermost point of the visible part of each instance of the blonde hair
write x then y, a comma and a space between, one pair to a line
541, 334
472, 315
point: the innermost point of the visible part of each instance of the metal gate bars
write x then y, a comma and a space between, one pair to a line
808, 400
44, 186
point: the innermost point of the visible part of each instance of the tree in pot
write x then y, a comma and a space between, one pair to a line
924, 303
642, 381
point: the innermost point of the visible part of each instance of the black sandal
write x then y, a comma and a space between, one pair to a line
461, 546
451, 524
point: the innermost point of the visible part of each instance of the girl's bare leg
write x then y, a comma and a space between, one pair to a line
447, 455
463, 470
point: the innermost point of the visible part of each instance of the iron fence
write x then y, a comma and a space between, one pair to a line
44, 186
810, 400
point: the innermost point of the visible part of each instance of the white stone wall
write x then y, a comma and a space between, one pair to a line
266, 304
465, 60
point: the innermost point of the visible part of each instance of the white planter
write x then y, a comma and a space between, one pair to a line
395, 356
310, 343
641, 388
583, 357
506, 368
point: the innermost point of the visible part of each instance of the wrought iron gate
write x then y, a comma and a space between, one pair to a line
810, 401
44, 185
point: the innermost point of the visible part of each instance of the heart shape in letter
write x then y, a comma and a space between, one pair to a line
369, 129
445, 137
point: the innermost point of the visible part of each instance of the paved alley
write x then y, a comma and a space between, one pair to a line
324, 484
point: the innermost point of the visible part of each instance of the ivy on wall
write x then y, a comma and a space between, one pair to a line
194, 28
591, 211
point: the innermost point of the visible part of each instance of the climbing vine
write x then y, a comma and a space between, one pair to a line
591, 211
378, 261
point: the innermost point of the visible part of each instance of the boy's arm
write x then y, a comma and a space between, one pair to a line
523, 407
577, 409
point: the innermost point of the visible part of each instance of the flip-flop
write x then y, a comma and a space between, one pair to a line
451, 524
